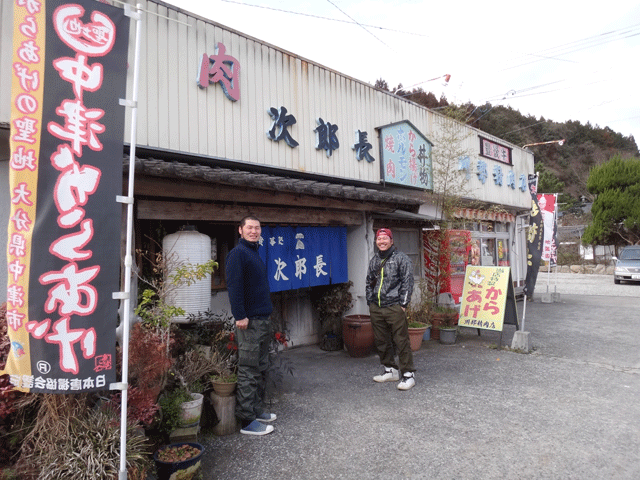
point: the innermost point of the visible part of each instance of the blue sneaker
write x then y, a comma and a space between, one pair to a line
256, 428
266, 417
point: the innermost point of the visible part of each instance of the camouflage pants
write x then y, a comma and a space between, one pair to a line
253, 362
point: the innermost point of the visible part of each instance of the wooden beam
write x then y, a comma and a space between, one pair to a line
163, 210
167, 188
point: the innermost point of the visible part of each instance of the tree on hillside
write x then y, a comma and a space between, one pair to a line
616, 210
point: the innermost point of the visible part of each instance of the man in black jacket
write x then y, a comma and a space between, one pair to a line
250, 299
389, 288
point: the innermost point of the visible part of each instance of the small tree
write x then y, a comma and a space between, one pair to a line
450, 189
616, 209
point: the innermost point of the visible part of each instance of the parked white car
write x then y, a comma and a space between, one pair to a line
628, 265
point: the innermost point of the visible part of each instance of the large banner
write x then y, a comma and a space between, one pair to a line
547, 204
299, 257
69, 72
534, 239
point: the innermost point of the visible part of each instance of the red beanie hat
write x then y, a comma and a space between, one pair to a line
384, 231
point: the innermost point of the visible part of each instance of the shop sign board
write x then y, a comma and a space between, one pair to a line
406, 156
488, 299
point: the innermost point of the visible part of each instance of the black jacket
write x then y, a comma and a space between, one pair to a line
391, 282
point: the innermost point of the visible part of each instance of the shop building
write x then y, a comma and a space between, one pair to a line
229, 126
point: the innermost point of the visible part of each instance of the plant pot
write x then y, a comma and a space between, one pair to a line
191, 411
426, 335
182, 469
357, 334
331, 342
224, 389
415, 337
448, 335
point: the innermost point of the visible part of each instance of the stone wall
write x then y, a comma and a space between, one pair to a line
589, 268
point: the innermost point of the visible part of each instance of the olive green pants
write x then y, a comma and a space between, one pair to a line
253, 363
391, 334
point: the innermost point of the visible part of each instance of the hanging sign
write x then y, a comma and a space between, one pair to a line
299, 257
406, 156
488, 299
65, 171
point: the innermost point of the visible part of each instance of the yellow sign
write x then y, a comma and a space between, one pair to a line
484, 298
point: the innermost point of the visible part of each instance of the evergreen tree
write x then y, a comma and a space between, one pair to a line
616, 210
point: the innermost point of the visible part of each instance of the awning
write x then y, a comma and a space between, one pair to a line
404, 215
477, 214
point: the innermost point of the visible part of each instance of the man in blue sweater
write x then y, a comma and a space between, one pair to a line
250, 298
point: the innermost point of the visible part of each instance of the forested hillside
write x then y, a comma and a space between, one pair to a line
563, 169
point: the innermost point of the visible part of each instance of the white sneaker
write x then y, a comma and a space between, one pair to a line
407, 381
389, 375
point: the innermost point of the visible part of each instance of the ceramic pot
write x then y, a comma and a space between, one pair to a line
224, 389
357, 334
415, 337
191, 411
448, 335
184, 469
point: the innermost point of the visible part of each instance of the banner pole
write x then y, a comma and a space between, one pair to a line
128, 256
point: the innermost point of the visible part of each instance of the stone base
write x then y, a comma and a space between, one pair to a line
520, 341
225, 408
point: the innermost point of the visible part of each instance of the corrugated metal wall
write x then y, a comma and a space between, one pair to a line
176, 114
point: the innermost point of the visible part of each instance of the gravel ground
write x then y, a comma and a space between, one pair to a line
567, 410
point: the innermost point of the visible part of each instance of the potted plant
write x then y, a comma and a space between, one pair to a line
179, 460
331, 302
445, 320
418, 315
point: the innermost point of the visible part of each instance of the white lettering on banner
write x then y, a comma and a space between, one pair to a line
301, 267
318, 266
73, 384
280, 264
299, 243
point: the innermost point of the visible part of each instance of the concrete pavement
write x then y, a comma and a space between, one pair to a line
568, 410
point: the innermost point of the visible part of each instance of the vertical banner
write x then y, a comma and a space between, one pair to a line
547, 205
69, 72
488, 298
300, 257
534, 239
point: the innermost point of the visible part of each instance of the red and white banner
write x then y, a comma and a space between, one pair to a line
68, 73
547, 205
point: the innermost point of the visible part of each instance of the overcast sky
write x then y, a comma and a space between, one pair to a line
562, 60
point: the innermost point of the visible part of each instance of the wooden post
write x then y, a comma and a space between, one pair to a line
225, 411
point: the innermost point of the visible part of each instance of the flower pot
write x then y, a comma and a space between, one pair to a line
448, 335
191, 411
357, 334
415, 337
331, 342
224, 389
183, 469
426, 335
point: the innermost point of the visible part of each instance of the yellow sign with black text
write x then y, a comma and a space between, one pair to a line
488, 300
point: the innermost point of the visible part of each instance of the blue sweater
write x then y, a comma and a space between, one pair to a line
247, 282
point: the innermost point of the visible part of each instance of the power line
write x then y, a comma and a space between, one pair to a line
352, 22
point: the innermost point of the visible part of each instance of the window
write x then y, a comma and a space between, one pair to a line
408, 241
